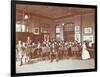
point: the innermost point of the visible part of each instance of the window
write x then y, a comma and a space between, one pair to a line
20, 28
58, 33
57, 30
58, 37
77, 33
77, 29
23, 28
88, 38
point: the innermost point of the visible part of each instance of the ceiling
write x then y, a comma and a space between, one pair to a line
50, 12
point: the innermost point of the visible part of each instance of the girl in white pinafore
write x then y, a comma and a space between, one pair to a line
85, 53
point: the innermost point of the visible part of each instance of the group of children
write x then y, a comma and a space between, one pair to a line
50, 50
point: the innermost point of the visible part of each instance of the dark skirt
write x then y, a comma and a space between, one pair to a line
28, 51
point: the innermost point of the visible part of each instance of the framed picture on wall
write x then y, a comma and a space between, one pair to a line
36, 30
32, 55
88, 30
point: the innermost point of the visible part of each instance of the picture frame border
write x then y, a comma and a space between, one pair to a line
13, 38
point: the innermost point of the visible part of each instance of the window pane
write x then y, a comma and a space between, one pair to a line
57, 30
23, 28
18, 28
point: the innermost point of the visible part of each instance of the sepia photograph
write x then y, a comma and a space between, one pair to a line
51, 37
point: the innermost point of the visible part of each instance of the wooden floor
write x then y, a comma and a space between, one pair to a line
46, 65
